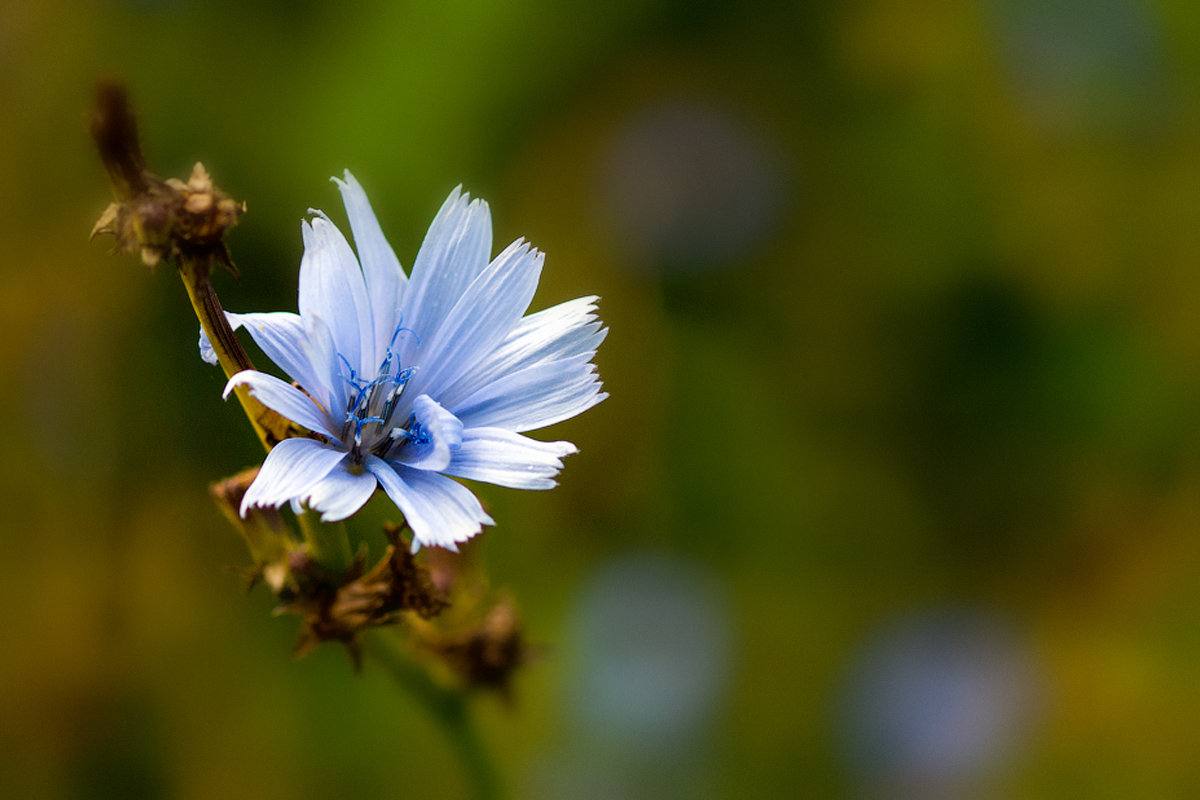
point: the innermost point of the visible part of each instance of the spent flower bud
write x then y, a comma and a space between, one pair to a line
151, 216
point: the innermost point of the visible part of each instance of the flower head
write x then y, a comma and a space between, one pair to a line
409, 380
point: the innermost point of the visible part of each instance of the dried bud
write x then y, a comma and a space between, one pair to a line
270, 542
207, 211
154, 217
374, 599
487, 656
151, 220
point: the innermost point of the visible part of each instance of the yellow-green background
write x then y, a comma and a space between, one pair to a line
957, 366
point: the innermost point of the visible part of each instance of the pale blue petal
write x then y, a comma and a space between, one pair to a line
498, 456
326, 365
534, 397
340, 494
332, 289
441, 433
563, 331
481, 319
282, 338
455, 251
381, 269
440, 511
285, 399
291, 469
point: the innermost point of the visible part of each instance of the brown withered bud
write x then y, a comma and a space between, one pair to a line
207, 212
487, 655
412, 584
157, 218
374, 599
267, 537
479, 638
151, 219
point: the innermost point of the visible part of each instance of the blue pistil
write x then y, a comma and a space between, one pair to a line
358, 425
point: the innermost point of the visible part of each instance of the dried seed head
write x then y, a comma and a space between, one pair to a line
155, 217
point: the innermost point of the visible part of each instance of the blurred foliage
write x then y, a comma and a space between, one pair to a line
956, 365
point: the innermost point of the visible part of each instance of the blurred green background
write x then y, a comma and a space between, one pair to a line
897, 492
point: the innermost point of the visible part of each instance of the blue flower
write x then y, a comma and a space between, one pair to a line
410, 380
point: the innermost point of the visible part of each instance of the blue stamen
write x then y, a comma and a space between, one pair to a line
386, 366
364, 391
359, 422
367, 395
396, 335
353, 380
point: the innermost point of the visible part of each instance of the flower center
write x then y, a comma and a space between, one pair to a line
368, 426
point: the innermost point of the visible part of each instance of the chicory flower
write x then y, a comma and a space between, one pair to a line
407, 381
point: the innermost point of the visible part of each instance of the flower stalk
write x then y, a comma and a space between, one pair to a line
269, 426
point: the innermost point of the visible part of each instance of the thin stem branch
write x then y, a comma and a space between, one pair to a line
447, 706
268, 425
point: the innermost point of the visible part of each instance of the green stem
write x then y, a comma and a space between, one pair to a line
328, 543
447, 706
